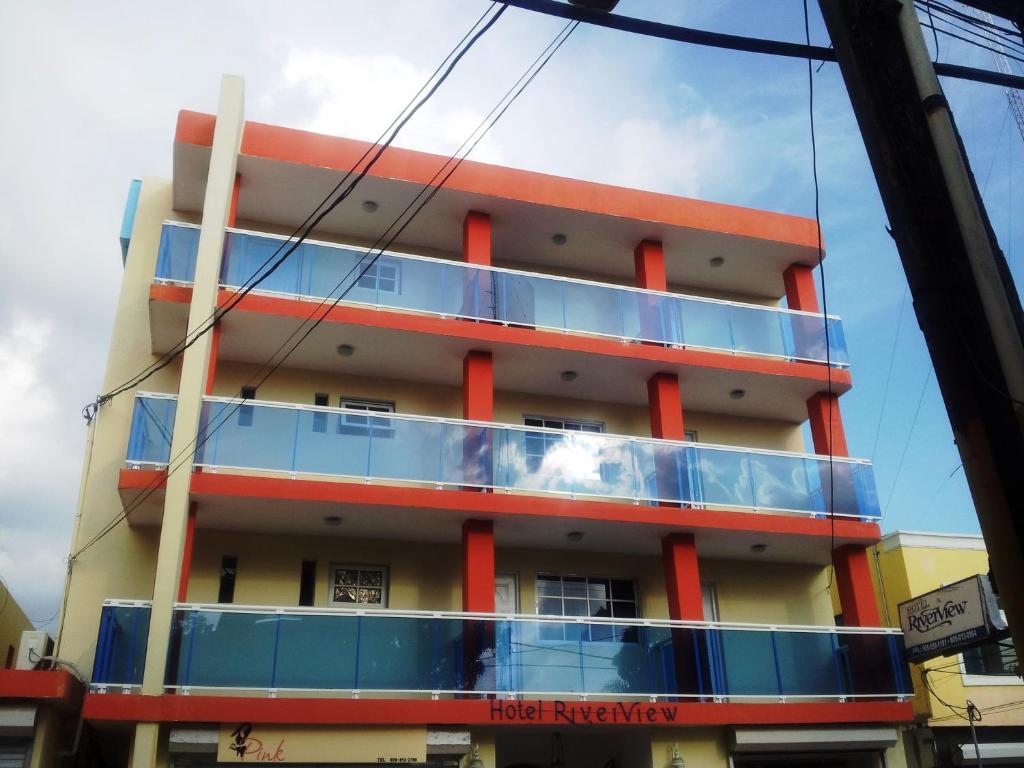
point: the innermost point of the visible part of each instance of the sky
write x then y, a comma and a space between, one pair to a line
91, 93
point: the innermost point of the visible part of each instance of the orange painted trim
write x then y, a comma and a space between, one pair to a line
478, 566
504, 504
175, 294
135, 708
195, 128
827, 441
57, 687
211, 368
233, 207
305, 148
856, 588
682, 577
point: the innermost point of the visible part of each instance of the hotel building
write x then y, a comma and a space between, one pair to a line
534, 492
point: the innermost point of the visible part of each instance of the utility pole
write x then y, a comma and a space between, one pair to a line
964, 296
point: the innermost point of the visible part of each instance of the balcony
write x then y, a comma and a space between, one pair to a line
385, 652
406, 283
318, 442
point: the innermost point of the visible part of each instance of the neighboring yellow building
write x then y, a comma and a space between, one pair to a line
536, 482
13, 622
911, 564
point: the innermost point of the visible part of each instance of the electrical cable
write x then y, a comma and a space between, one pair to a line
500, 108
313, 218
906, 444
824, 306
984, 36
888, 375
935, 34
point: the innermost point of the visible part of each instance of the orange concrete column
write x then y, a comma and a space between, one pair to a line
186, 553
682, 577
826, 422
478, 566
477, 405
476, 238
649, 258
666, 406
856, 589
801, 293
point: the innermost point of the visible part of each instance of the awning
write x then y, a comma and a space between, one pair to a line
995, 754
812, 739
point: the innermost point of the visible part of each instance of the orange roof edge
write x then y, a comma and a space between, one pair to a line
291, 145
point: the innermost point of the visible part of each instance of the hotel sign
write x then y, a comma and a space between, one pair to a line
256, 743
951, 618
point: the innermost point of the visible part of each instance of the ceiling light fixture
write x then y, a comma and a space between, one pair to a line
716, 261
758, 548
568, 375
332, 520
370, 206
574, 536
346, 350
738, 394
559, 239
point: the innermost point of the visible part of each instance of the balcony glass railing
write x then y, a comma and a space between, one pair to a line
414, 283
346, 651
306, 440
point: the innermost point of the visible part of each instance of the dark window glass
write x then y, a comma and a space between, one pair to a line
586, 597
245, 411
307, 582
996, 657
228, 572
320, 419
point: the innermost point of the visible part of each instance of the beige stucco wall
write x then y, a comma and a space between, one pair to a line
122, 563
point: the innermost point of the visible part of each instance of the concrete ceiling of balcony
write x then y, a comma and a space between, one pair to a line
602, 223
436, 358
302, 517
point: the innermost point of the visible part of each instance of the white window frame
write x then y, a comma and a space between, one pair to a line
570, 619
360, 406
969, 679
373, 276
385, 578
548, 440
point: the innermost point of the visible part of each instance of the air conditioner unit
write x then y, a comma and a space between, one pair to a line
34, 645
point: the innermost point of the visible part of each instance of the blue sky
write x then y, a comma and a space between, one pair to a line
718, 125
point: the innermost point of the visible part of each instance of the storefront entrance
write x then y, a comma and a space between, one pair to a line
542, 748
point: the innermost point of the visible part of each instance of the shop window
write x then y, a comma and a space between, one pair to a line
538, 444
359, 585
587, 597
361, 420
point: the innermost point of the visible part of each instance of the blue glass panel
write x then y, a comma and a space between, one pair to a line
121, 645
317, 652
807, 663
725, 477
152, 427
747, 662
705, 324
781, 482
757, 330
176, 259
221, 649
249, 436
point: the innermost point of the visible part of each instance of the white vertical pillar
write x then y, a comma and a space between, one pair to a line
227, 139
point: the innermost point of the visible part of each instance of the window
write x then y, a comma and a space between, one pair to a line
539, 443
228, 572
586, 597
358, 424
307, 582
320, 400
709, 600
996, 657
359, 585
384, 276
245, 411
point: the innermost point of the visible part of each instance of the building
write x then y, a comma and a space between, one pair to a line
13, 622
910, 564
534, 492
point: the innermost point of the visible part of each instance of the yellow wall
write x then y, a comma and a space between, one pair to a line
909, 571
428, 576
299, 386
13, 622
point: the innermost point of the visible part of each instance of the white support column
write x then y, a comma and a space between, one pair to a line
227, 139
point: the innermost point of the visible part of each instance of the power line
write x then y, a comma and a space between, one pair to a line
906, 444
314, 218
257, 379
888, 375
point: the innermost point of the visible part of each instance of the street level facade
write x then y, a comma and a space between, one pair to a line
527, 486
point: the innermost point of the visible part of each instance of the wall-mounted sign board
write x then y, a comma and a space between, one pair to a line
257, 743
949, 619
